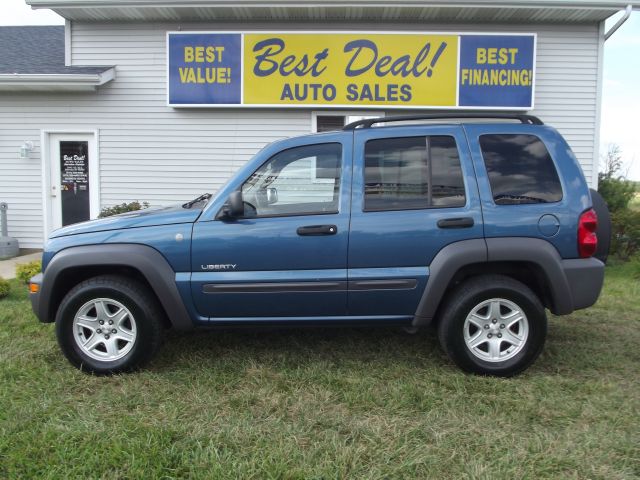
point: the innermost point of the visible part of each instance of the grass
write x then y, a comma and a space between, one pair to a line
327, 404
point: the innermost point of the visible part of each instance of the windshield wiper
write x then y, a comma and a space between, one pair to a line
202, 198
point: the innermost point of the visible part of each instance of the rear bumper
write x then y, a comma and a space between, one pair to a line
35, 297
585, 277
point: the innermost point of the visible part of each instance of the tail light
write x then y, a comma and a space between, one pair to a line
587, 239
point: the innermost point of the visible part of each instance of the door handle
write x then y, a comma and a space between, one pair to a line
464, 222
314, 230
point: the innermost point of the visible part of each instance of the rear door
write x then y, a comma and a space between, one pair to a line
414, 192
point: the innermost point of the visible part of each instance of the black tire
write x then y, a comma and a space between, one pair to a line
142, 308
465, 299
604, 226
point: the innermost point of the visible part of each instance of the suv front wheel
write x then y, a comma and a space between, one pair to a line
493, 325
109, 324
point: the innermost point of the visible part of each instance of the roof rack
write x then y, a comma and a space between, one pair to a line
368, 122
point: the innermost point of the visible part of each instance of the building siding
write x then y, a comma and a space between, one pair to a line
154, 153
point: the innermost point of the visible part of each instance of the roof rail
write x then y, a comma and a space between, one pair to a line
368, 122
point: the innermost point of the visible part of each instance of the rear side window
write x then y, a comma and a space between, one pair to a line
412, 173
520, 169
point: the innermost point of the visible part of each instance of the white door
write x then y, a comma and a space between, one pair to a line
73, 179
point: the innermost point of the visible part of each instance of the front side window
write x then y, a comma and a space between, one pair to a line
298, 181
520, 169
413, 173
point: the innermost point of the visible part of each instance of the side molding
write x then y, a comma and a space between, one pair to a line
442, 269
147, 260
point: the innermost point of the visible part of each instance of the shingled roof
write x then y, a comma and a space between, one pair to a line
37, 50
32, 58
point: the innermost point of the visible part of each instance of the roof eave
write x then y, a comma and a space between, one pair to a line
55, 82
591, 4
351, 12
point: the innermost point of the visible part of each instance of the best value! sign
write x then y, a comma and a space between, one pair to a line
323, 69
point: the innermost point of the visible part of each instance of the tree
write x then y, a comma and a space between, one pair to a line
618, 192
614, 188
611, 161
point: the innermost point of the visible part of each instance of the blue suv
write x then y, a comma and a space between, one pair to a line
475, 227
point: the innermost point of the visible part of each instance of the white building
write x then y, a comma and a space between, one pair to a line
94, 93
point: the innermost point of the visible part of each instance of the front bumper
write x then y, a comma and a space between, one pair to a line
35, 296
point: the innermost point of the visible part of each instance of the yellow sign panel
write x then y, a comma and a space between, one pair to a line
350, 69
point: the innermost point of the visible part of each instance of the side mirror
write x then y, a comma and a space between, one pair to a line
272, 195
235, 206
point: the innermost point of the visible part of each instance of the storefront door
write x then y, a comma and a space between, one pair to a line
72, 177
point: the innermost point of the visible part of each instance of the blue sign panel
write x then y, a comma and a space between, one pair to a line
205, 68
496, 71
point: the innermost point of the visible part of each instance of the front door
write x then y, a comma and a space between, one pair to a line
287, 256
71, 164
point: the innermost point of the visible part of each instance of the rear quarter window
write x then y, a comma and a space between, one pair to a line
520, 169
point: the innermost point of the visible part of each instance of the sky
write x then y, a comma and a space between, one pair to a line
621, 91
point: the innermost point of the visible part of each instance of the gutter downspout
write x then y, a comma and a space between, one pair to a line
625, 17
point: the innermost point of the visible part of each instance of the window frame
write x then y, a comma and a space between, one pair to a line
300, 214
430, 179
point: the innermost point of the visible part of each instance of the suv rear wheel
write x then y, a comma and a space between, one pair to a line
493, 325
109, 324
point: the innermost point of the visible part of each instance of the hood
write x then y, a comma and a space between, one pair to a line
138, 218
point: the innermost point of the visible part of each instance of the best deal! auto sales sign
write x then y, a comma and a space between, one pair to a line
325, 69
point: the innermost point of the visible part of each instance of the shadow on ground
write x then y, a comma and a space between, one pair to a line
289, 347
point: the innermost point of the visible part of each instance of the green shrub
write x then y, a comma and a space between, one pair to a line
25, 271
5, 287
617, 192
122, 208
620, 195
625, 233
635, 268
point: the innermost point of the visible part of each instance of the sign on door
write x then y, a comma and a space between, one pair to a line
74, 181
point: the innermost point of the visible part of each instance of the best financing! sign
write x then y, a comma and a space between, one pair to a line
388, 70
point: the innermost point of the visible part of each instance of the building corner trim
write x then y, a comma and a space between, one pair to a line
67, 43
599, 89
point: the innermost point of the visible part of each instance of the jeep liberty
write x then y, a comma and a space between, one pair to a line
476, 227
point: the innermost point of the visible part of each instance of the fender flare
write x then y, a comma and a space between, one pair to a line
441, 271
148, 261
543, 254
453, 257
